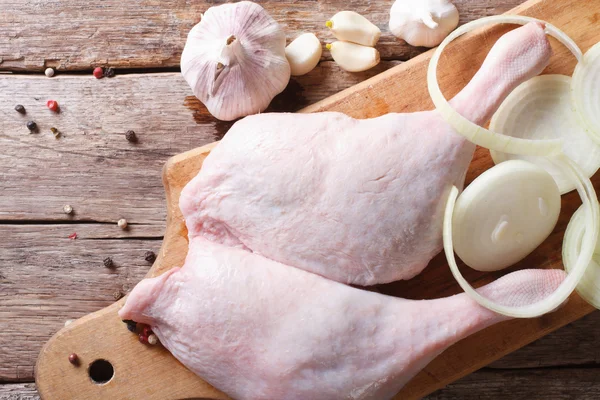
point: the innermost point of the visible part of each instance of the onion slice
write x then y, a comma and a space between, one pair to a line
585, 91
504, 214
592, 213
541, 108
477, 134
589, 287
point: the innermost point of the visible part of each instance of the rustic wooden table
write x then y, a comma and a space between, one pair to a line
47, 278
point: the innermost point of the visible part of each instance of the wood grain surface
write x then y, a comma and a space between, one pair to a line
77, 35
47, 278
42, 175
92, 166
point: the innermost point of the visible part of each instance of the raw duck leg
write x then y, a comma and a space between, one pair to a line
356, 201
259, 330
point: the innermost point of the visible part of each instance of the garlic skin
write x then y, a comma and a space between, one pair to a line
234, 60
353, 57
350, 26
303, 54
423, 22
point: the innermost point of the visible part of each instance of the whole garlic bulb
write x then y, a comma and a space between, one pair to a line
234, 60
423, 22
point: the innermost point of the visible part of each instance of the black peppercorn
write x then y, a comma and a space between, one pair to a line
130, 136
108, 262
150, 256
20, 109
131, 325
32, 126
109, 72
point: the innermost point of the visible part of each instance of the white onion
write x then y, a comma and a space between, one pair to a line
504, 214
592, 214
585, 89
589, 287
473, 132
541, 108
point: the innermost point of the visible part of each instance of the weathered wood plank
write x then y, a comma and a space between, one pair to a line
554, 384
47, 278
77, 35
18, 391
92, 167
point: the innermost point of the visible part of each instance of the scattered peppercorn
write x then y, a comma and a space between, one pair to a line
55, 132
67, 209
152, 339
73, 359
52, 105
122, 223
143, 338
118, 295
98, 72
130, 136
49, 72
131, 325
108, 262
150, 257
20, 109
32, 126
73, 236
109, 72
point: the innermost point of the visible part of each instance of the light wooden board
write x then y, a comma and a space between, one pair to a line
77, 34
399, 89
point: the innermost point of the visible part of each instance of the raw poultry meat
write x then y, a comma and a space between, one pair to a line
260, 330
356, 201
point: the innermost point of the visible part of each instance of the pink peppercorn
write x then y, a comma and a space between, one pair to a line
146, 331
52, 105
73, 359
143, 338
98, 72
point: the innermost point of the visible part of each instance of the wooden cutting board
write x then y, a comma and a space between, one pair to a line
149, 372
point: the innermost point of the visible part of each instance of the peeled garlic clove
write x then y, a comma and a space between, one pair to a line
303, 54
353, 27
353, 57
234, 60
423, 22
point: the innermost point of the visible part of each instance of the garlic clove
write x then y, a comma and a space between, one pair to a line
234, 60
352, 27
353, 57
303, 53
423, 22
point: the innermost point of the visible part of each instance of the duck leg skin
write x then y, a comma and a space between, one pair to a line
259, 330
356, 201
